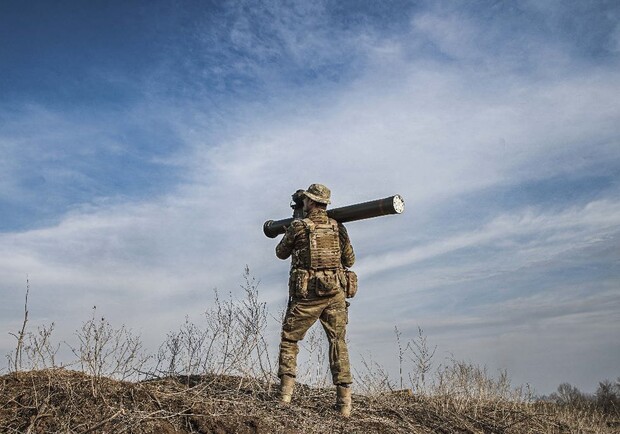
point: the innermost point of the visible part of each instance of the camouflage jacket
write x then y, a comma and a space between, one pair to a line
295, 242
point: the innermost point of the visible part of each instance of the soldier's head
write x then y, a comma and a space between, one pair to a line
317, 195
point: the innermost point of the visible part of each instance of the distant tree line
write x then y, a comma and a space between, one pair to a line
606, 398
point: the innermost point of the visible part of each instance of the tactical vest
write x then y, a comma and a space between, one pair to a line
324, 245
324, 275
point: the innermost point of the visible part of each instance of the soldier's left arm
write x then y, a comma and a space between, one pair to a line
347, 254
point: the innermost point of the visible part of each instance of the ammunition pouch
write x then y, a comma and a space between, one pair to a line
351, 283
298, 283
327, 282
322, 283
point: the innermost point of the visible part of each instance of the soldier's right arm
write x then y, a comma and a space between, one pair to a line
287, 243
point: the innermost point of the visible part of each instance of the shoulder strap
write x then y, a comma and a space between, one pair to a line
309, 224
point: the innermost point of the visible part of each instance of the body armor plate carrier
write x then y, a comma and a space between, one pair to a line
324, 245
325, 275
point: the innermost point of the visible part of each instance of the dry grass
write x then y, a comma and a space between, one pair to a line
62, 401
216, 376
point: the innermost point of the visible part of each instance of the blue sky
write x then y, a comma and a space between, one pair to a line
144, 144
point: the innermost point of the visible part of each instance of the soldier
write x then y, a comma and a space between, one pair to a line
318, 284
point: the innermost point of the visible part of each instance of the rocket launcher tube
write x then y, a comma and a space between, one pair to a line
360, 211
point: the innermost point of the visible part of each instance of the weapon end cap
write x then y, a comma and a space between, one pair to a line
399, 204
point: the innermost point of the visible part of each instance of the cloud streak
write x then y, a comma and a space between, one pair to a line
529, 236
149, 206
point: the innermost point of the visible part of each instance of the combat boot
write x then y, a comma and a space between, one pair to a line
343, 400
287, 383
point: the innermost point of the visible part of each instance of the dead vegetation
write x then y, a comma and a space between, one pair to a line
216, 376
62, 401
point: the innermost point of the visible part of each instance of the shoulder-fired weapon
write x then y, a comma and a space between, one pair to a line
360, 211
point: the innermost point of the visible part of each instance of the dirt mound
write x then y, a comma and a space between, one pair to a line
59, 400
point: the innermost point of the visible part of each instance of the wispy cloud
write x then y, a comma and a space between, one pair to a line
152, 204
525, 237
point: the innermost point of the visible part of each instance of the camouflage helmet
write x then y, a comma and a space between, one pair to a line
318, 193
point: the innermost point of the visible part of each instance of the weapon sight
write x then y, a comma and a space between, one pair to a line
360, 211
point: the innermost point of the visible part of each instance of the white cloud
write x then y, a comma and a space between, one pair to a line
525, 237
454, 35
407, 124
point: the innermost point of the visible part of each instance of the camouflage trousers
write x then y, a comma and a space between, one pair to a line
300, 316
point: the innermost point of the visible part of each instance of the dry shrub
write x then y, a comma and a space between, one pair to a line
60, 401
313, 359
230, 341
106, 351
217, 376
372, 379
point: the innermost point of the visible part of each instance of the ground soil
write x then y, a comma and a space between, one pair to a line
65, 401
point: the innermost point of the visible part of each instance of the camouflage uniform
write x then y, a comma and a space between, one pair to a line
319, 302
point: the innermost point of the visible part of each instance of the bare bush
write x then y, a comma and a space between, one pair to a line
32, 350
40, 350
606, 399
16, 360
418, 356
253, 317
608, 396
104, 351
216, 375
373, 379
569, 395
183, 351
314, 366
465, 380
230, 341
421, 356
